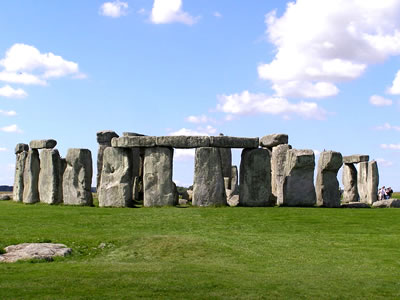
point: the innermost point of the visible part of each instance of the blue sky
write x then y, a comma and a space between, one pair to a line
324, 72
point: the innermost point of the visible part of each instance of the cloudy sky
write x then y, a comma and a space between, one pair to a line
326, 72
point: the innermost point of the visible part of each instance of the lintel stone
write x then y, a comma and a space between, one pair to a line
21, 148
273, 140
183, 141
233, 142
43, 144
134, 141
355, 159
105, 136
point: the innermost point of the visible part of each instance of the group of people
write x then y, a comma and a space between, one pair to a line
385, 193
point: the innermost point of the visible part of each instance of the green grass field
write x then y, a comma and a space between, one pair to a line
204, 253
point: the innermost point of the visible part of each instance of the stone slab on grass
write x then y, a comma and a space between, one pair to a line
28, 251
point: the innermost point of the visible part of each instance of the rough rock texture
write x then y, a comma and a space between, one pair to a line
298, 184
208, 188
43, 144
354, 159
158, 187
26, 251
349, 180
233, 142
327, 187
134, 141
116, 179
5, 197
226, 161
31, 177
355, 205
183, 141
176, 194
372, 182
273, 140
18, 188
255, 178
50, 177
136, 188
278, 161
233, 200
362, 178
235, 180
77, 177
104, 140
394, 203
21, 148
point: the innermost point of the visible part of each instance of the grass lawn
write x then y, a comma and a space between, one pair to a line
204, 253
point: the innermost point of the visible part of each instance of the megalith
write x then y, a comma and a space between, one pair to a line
104, 140
77, 177
372, 182
349, 180
115, 188
327, 187
273, 140
31, 177
278, 161
234, 180
255, 178
43, 144
226, 160
208, 187
362, 184
21, 152
158, 186
50, 176
298, 184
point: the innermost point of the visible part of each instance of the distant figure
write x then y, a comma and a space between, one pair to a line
388, 193
381, 193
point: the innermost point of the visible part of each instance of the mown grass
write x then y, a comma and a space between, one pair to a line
204, 253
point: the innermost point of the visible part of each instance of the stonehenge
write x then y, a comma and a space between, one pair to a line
136, 168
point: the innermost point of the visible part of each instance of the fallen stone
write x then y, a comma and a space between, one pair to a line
233, 200
77, 177
183, 201
356, 158
208, 187
115, 188
183, 141
50, 177
327, 186
31, 177
18, 188
349, 180
233, 142
26, 251
158, 186
134, 141
388, 203
21, 148
298, 184
355, 205
43, 144
104, 139
255, 178
5, 197
273, 140
278, 162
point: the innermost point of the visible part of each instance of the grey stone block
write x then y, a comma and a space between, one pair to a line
356, 158
21, 148
233, 142
31, 177
134, 141
105, 137
183, 141
43, 144
18, 189
50, 177
273, 140
278, 162
349, 180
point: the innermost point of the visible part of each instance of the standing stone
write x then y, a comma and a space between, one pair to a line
372, 182
278, 161
234, 180
298, 184
136, 188
349, 180
31, 177
116, 179
255, 178
327, 187
226, 160
104, 140
21, 151
208, 187
77, 178
157, 178
362, 179
50, 177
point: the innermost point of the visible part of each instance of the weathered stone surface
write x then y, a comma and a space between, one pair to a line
356, 158
134, 141
349, 180
176, 194
255, 178
233, 142
298, 184
136, 188
388, 203
208, 188
327, 187
18, 188
278, 161
183, 201
355, 205
31, 177
226, 161
5, 197
362, 178
157, 178
77, 177
116, 179
105, 137
132, 134
21, 148
235, 180
43, 144
233, 200
183, 141
50, 177
273, 140
372, 182
27, 251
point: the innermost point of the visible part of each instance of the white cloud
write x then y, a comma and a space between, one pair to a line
9, 92
184, 154
395, 88
2, 149
248, 103
25, 64
383, 162
217, 14
114, 9
170, 11
198, 132
387, 126
11, 128
9, 113
199, 119
391, 146
380, 101
321, 43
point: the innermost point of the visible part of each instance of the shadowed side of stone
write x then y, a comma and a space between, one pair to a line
31, 177
43, 144
349, 180
104, 140
21, 152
